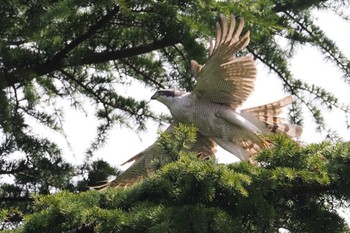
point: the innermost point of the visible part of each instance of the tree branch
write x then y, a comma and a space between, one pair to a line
143, 74
57, 60
99, 98
92, 30
15, 199
291, 89
84, 228
89, 58
322, 44
128, 52
60, 60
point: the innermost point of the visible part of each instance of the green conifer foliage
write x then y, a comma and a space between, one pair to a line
295, 187
79, 51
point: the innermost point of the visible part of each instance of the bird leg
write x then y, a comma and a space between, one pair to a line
265, 141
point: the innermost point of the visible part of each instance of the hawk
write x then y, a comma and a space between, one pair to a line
223, 84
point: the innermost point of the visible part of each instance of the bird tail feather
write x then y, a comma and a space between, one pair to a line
268, 114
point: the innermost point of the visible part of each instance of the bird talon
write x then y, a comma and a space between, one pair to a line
265, 141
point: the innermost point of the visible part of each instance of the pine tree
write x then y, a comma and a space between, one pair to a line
79, 50
295, 187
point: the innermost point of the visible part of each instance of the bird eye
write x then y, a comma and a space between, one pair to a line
167, 93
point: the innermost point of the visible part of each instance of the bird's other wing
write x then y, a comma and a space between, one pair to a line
142, 165
143, 161
204, 146
268, 114
225, 78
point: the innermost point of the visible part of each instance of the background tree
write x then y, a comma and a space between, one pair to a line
77, 51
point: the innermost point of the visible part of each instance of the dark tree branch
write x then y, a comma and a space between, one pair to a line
297, 6
321, 44
91, 58
15, 199
57, 60
128, 52
85, 228
92, 30
61, 59
290, 87
277, 71
101, 99
94, 58
143, 74
10, 171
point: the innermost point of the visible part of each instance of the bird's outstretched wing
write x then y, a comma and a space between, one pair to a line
225, 78
143, 165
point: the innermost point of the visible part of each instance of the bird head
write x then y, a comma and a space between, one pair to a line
167, 96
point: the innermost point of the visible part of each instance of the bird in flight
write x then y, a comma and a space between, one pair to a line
224, 82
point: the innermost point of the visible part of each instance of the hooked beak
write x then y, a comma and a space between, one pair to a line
155, 96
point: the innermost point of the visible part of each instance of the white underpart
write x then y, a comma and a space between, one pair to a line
236, 119
232, 147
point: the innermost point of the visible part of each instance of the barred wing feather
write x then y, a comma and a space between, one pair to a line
269, 115
226, 79
143, 165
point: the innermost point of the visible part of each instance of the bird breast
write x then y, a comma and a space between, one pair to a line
203, 114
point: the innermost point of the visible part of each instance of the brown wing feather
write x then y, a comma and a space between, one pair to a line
142, 166
268, 114
226, 79
271, 109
